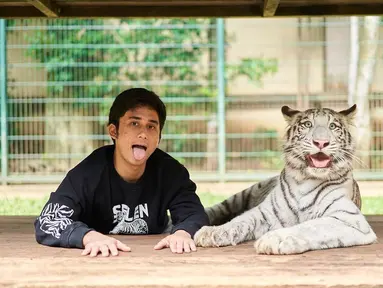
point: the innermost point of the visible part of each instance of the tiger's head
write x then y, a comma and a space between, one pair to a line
318, 143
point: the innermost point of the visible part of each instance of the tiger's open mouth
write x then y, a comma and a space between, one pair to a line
319, 160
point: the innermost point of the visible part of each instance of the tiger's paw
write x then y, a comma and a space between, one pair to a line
202, 237
280, 243
214, 236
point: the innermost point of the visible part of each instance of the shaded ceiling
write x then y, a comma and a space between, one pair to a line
187, 8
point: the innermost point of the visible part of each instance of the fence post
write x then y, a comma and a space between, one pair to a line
220, 28
3, 103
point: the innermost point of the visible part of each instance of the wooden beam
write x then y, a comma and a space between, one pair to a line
108, 3
254, 10
48, 7
330, 10
270, 7
12, 12
162, 11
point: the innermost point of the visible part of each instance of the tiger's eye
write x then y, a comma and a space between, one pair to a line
308, 124
332, 126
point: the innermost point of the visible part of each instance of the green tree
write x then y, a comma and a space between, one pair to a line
97, 58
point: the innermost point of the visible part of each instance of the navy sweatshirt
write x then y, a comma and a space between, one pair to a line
93, 196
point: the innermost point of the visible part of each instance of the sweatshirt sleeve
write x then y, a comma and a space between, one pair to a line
186, 209
59, 222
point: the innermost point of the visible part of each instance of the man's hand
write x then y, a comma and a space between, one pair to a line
95, 242
178, 242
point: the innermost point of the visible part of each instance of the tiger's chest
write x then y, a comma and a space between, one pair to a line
309, 198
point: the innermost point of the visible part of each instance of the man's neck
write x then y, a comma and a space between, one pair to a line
128, 172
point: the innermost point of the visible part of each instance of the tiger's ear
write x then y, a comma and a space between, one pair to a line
289, 113
349, 113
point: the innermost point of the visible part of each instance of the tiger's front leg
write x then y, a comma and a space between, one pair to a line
248, 226
231, 233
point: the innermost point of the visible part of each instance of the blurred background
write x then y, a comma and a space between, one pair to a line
223, 82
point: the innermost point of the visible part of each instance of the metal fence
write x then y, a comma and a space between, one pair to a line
59, 78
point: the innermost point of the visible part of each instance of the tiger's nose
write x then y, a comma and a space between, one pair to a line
321, 143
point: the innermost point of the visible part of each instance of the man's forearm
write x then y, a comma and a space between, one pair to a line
70, 237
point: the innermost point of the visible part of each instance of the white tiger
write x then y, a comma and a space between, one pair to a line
313, 204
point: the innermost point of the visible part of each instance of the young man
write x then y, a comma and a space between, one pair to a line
124, 188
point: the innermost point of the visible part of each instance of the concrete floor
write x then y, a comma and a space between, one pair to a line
368, 188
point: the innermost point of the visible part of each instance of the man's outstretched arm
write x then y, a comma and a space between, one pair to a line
59, 222
188, 216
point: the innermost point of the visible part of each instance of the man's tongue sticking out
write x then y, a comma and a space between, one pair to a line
138, 153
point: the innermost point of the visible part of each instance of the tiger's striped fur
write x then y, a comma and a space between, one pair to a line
314, 203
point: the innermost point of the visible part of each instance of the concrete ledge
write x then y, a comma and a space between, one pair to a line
368, 188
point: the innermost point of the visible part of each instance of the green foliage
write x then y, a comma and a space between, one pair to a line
22, 206
117, 53
97, 58
99, 43
253, 69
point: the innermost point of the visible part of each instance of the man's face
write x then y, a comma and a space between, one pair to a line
138, 135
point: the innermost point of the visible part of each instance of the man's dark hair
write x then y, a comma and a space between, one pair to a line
134, 98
